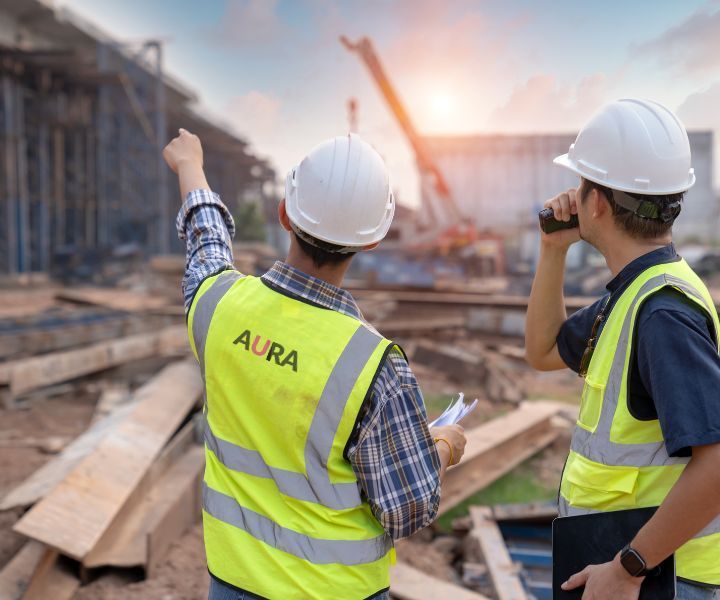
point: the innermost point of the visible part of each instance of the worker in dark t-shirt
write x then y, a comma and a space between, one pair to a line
648, 431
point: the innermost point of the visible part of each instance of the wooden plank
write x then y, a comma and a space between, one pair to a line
52, 579
503, 572
41, 371
497, 447
115, 298
29, 341
426, 323
16, 575
183, 511
431, 297
44, 479
408, 583
73, 517
124, 544
542, 512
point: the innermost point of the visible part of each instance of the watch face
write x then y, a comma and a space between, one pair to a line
632, 562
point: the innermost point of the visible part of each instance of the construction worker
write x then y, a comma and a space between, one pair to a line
648, 432
318, 452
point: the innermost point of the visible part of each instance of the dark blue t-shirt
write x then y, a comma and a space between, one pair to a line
675, 367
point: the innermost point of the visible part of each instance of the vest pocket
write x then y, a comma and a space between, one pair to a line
591, 405
600, 487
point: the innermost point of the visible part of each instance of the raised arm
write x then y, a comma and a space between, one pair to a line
204, 222
546, 307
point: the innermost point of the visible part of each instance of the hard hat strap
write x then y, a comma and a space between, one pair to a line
326, 246
647, 209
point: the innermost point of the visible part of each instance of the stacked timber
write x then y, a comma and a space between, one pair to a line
127, 490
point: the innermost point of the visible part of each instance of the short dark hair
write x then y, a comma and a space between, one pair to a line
320, 256
635, 225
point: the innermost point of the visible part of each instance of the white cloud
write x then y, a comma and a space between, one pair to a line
541, 104
692, 47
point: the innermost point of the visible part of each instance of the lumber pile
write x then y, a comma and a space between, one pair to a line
408, 583
495, 448
503, 572
25, 375
136, 475
114, 298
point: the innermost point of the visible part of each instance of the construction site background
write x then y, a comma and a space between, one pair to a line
94, 355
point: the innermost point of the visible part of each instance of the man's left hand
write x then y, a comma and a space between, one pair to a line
609, 581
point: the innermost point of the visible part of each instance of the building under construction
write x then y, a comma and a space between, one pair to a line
83, 120
501, 181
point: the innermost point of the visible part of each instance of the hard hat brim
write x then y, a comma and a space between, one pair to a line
566, 162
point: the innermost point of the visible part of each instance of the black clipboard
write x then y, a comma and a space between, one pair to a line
596, 538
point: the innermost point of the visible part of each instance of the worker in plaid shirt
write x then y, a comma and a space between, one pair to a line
397, 460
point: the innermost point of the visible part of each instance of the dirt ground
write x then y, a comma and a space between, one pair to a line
28, 436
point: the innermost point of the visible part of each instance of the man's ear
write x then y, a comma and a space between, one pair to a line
599, 203
283, 217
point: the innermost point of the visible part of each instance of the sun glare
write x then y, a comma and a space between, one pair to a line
442, 104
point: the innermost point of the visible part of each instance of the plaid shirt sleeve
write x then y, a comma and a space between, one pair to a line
207, 227
393, 454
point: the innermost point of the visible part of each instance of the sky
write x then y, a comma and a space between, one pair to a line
275, 72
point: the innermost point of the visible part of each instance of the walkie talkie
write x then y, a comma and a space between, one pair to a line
549, 224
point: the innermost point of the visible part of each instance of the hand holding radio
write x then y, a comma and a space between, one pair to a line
559, 220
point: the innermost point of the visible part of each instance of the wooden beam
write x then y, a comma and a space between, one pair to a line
115, 298
53, 578
173, 476
542, 512
503, 572
41, 371
41, 481
426, 323
37, 573
17, 573
73, 517
42, 338
409, 583
497, 447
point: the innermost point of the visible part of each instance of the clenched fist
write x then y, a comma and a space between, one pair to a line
454, 435
185, 149
564, 206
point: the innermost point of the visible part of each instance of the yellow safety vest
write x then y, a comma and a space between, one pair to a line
285, 381
617, 462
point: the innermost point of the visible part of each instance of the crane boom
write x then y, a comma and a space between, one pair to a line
428, 168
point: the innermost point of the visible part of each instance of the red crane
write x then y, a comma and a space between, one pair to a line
449, 230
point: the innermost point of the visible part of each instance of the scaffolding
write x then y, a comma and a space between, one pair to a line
83, 120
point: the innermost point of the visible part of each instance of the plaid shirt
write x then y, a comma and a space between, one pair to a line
391, 449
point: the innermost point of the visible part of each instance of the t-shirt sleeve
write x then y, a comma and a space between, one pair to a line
574, 333
679, 365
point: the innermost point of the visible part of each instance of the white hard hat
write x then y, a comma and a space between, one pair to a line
635, 146
340, 193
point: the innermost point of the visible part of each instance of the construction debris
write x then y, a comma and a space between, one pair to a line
29, 374
102, 488
503, 572
139, 497
497, 447
408, 583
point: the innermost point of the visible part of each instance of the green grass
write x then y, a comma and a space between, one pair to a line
520, 485
436, 403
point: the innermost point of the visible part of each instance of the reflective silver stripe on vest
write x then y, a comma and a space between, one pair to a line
316, 485
315, 550
565, 509
597, 446
205, 309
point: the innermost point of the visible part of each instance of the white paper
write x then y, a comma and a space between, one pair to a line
455, 412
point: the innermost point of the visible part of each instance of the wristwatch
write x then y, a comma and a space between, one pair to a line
633, 563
